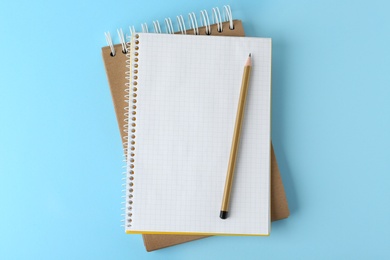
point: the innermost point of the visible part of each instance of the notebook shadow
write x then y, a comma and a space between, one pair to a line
279, 119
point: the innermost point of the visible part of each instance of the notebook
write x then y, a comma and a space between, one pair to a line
183, 100
279, 210
115, 69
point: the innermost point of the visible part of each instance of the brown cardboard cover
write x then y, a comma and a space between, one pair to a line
115, 70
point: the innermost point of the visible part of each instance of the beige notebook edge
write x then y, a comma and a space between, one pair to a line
116, 68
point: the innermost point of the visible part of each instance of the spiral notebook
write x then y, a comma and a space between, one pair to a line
115, 70
182, 107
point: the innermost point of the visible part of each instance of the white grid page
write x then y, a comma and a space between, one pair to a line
188, 90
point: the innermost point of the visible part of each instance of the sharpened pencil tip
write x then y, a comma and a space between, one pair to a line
249, 60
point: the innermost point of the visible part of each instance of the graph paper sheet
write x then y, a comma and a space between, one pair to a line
183, 102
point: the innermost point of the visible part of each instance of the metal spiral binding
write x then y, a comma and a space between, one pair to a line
109, 42
192, 21
181, 25
145, 28
229, 16
131, 116
128, 151
205, 21
168, 24
127, 208
122, 41
217, 19
157, 28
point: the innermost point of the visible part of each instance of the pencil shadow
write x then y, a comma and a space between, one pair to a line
279, 119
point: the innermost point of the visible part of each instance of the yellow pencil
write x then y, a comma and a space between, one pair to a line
236, 139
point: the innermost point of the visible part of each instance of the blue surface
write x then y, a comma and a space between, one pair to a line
60, 151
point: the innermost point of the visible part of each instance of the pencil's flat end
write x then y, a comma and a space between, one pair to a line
223, 214
250, 55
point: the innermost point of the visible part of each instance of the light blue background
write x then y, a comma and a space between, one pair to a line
60, 151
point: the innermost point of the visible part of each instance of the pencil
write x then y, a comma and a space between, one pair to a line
236, 139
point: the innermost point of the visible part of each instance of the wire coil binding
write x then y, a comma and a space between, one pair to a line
127, 208
132, 77
205, 21
169, 28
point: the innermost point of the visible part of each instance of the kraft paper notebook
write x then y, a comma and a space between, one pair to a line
115, 69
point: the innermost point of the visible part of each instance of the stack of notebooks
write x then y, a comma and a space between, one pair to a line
175, 97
